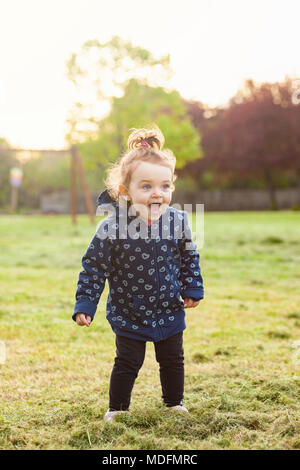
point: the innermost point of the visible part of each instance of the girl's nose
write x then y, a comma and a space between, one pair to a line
157, 192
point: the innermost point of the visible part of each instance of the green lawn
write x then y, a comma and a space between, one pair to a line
241, 356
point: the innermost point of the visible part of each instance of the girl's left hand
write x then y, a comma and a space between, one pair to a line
188, 302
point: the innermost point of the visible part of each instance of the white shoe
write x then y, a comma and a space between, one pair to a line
178, 408
110, 415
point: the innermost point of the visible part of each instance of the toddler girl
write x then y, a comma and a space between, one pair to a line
145, 250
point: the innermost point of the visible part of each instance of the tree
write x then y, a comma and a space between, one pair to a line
7, 161
201, 172
256, 135
140, 106
100, 71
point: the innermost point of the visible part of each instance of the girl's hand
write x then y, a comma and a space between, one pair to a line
83, 319
188, 302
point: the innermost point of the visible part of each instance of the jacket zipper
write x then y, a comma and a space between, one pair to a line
157, 275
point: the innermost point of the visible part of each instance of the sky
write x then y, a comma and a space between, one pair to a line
214, 46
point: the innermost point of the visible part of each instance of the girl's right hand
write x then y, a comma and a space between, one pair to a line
82, 319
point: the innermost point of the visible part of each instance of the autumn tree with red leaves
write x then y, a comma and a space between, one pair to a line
257, 136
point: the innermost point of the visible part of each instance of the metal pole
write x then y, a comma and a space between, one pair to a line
84, 186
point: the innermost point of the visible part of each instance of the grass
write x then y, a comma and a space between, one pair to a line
242, 348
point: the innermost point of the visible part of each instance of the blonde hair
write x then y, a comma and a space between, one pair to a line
119, 173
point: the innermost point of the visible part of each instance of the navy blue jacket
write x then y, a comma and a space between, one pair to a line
148, 267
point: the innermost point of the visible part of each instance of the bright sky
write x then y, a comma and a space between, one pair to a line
214, 45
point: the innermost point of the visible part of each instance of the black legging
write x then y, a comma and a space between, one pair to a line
130, 357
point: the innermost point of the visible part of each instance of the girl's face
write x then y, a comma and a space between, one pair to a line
150, 189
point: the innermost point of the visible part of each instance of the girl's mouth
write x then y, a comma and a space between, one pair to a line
154, 208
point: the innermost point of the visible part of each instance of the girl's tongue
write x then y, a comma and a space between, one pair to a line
154, 208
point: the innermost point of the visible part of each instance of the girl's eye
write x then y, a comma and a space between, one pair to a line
147, 186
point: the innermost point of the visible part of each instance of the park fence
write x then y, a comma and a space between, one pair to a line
213, 200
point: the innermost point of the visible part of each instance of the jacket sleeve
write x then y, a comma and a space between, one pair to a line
97, 266
190, 277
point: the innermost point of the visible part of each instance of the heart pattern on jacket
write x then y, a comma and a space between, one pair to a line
147, 278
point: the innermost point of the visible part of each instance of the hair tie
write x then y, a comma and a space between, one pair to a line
144, 143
